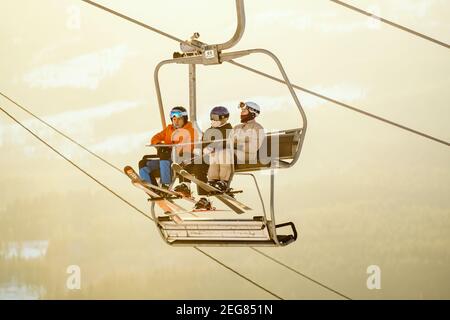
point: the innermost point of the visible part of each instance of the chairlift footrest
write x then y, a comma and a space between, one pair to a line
215, 193
233, 192
287, 239
164, 198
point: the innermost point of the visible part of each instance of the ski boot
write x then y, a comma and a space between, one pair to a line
203, 204
162, 194
212, 183
222, 185
184, 189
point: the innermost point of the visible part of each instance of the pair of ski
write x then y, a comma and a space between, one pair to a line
166, 202
167, 205
228, 200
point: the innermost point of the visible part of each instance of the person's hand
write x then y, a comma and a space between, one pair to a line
197, 151
208, 150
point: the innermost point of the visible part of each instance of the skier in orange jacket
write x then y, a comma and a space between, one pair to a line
180, 131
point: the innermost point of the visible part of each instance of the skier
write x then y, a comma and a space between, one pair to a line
180, 131
216, 154
248, 136
220, 153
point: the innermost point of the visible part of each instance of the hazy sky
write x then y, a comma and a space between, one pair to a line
362, 193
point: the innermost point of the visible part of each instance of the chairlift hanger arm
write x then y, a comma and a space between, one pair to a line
240, 10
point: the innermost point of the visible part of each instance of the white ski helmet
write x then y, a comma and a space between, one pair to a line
253, 107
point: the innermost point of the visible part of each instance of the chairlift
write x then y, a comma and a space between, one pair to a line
261, 230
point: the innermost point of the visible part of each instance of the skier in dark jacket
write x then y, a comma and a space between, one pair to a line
220, 154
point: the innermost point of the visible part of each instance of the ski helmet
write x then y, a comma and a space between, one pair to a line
251, 107
179, 112
219, 113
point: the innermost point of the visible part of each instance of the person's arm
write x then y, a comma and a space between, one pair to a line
227, 136
233, 138
205, 137
255, 141
159, 137
208, 146
261, 136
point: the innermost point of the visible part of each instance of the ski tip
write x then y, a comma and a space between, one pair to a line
128, 169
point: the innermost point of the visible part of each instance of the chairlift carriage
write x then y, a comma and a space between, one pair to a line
262, 229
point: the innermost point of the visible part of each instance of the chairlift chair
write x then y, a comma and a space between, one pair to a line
261, 230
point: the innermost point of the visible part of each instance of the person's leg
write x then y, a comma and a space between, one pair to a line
188, 168
213, 172
144, 173
165, 171
142, 163
200, 171
152, 165
184, 185
194, 169
225, 172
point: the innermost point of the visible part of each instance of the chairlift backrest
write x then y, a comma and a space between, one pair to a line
278, 150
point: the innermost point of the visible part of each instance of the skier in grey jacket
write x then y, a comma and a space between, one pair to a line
248, 136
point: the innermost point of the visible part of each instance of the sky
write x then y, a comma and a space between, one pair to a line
363, 192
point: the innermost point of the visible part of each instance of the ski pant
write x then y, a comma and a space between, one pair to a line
220, 165
151, 166
199, 170
219, 171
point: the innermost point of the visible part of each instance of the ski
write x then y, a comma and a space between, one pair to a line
168, 192
166, 205
171, 194
194, 212
231, 202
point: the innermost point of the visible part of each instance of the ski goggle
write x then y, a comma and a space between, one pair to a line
177, 114
242, 106
216, 117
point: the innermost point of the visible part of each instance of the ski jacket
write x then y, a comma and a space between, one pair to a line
171, 135
248, 138
217, 133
